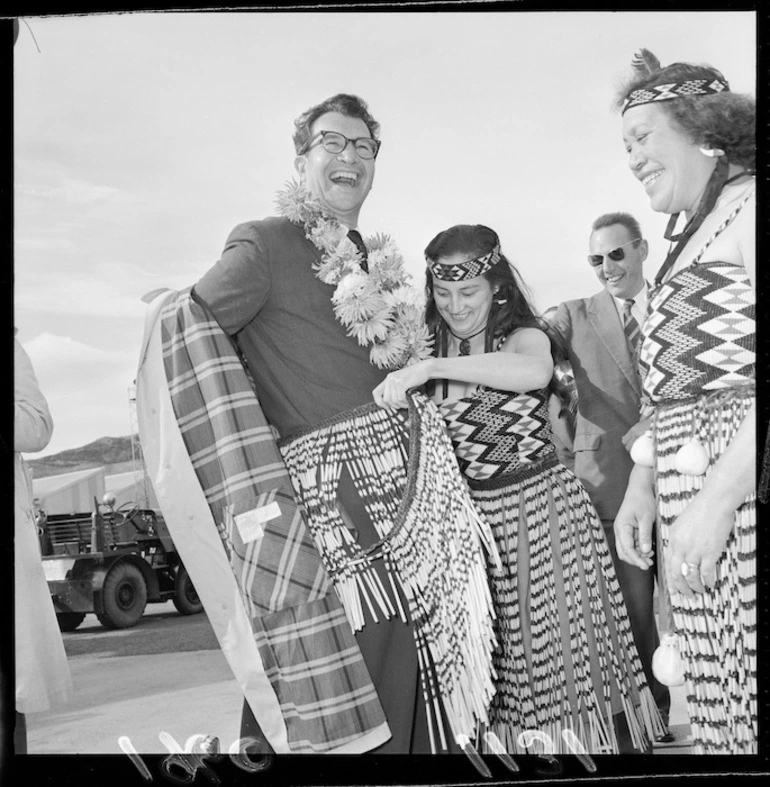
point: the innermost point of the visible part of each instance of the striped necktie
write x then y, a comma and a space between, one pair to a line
358, 241
631, 326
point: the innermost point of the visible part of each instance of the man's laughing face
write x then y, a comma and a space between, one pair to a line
341, 181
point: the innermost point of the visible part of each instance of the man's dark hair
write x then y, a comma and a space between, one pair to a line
345, 104
626, 219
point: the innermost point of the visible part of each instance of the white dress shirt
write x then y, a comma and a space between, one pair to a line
638, 310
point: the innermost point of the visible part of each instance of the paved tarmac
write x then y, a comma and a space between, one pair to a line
182, 693
139, 695
137, 699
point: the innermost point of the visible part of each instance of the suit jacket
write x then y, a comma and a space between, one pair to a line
609, 391
264, 290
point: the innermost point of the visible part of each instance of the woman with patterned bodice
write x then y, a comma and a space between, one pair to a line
495, 433
690, 142
567, 668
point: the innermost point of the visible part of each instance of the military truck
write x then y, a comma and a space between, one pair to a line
112, 562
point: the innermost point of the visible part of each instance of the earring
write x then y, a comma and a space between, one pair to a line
712, 152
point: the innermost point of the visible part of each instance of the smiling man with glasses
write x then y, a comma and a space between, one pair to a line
343, 692
336, 154
601, 334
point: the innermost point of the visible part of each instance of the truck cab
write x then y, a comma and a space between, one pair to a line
112, 562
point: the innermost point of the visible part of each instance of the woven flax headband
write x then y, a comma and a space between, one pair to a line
671, 90
465, 270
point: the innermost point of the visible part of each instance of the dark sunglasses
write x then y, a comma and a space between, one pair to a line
616, 255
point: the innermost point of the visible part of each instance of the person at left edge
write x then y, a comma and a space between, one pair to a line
43, 677
264, 292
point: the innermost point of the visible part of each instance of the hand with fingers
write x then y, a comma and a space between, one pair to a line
696, 541
391, 393
635, 519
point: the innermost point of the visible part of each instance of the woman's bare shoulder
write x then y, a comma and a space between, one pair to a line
526, 339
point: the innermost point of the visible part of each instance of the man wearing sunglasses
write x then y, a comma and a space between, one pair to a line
601, 333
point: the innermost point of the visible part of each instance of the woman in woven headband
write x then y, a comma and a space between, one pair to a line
564, 641
690, 143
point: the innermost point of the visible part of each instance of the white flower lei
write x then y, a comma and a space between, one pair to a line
379, 308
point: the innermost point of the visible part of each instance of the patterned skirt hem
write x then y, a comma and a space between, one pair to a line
589, 732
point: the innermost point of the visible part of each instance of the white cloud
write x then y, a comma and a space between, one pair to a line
70, 191
86, 389
49, 245
84, 297
62, 363
51, 348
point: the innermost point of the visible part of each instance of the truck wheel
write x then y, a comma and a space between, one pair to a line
124, 595
69, 621
186, 599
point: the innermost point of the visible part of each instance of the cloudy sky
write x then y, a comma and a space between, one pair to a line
142, 139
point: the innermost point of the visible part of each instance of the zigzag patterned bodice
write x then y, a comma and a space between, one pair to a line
496, 433
700, 334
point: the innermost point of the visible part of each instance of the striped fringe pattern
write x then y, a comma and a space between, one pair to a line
566, 661
717, 629
431, 548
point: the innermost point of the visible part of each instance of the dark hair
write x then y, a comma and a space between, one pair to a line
721, 120
344, 103
626, 219
511, 306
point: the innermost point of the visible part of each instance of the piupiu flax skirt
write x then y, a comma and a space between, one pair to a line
717, 630
566, 663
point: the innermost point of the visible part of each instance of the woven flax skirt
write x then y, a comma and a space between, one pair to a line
717, 629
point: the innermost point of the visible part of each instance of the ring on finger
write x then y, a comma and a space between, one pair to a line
688, 568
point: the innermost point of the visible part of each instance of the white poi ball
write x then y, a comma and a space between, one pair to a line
667, 664
691, 458
643, 450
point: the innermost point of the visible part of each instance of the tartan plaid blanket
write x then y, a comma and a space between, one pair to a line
307, 648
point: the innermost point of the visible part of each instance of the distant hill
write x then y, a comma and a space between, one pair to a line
112, 453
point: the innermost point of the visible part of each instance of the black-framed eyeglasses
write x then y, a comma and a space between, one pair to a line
334, 142
616, 255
